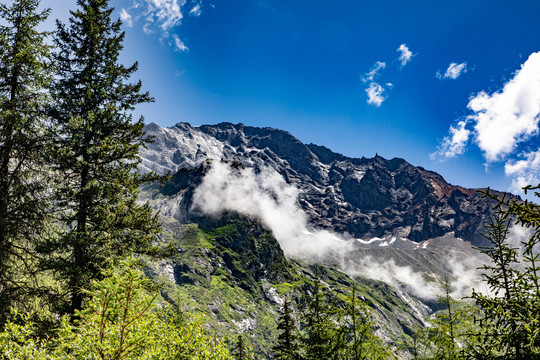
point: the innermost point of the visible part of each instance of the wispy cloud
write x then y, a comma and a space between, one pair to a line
179, 44
162, 17
266, 196
126, 18
374, 71
405, 54
196, 10
375, 93
166, 13
453, 72
502, 122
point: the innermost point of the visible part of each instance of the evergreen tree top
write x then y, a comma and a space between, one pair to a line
91, 78
24, 56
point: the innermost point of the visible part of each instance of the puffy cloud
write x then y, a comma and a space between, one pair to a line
406, 55
455, 143
503, 122
374, 71
375, 93
267, 197
525, 171
454, 71
506, 118
126, 18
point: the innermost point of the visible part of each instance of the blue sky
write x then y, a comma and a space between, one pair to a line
450, 86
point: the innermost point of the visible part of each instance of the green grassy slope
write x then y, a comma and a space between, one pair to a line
234, 271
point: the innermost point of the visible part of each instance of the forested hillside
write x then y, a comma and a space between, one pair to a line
90, 270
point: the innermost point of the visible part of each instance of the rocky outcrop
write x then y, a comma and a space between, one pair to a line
364, 197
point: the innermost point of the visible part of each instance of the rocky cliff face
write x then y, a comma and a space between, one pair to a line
364, 197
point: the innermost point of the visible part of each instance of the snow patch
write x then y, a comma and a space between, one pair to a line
370, 241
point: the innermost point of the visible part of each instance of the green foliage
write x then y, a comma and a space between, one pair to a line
335, 330
18, 340
24, 76
121, 321
449, 332
241, 350
96, 152
287, 347
116, 323
320, 329
359, 339
510, 325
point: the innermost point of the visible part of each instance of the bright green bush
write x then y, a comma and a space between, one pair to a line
121, 321
17, 342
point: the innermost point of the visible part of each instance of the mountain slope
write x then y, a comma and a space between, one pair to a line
389, 228
363, 197
232, 270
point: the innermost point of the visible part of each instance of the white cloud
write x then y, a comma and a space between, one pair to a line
179, 44
375, 94
455, 143
525, 171
267, 197
454, 71
168, 13
147, 29
196, 10
374, 71
406, 55
162, 17
126, 18
503, 122
506, 118
397, 276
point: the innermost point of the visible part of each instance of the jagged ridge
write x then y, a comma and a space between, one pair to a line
364, 197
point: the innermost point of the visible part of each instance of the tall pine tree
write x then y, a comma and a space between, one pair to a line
510, 316
96, 152
24, 74
320, 329
287, 347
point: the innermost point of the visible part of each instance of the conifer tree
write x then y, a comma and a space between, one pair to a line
241, 350
319, 328
359, 340
510, 319
24, 74
96, 150
444, 326
287, 347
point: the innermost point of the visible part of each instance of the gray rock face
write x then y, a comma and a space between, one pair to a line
363, 197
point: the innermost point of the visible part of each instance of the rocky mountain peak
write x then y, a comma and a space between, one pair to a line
364, 197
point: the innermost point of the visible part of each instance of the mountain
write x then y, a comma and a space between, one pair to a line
385, 227
363, 197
